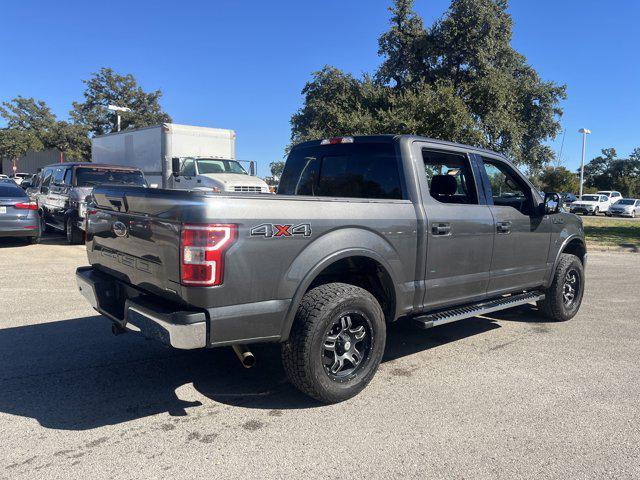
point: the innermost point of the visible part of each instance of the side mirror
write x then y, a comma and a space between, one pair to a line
252, 168
25, 185
175, 166
551, 203
44, 190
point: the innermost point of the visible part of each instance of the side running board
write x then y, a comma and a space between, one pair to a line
472, 310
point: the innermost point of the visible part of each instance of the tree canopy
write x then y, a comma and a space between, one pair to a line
608, 172
31, 125
458, 79
107, 87
559, 179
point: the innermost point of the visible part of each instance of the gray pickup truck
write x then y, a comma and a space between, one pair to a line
363, 231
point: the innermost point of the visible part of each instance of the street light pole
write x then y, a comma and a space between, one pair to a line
117, 111
584, 132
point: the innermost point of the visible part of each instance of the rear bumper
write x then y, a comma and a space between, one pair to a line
27, 226
131, 309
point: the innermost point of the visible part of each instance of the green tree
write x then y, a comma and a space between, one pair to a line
607, 172
276, 168
27, 115
403, 47
14, 143
459, 80
107, 87
559, 179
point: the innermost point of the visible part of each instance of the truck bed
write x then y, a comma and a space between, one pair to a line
263, 271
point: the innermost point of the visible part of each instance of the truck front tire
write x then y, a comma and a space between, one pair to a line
564, 296
336, 342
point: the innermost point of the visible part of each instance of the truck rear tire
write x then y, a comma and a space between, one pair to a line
74, 234
564, 296
336, 342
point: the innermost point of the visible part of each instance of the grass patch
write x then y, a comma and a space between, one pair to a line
612, 232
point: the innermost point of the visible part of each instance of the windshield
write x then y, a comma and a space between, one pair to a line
627, 201
210, 165
605, 193
90, 177
589, 198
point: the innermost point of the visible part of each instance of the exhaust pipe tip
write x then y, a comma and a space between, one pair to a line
247, 359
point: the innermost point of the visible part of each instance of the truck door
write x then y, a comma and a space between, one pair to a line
522, 230
459, 227
187, 178
58, 197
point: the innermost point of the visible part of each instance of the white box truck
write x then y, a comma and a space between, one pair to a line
181, 157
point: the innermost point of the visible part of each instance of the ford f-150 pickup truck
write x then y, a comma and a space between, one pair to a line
362, 232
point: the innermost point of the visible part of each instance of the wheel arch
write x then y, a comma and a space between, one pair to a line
311, 268
574, 245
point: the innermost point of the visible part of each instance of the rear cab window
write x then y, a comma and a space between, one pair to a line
92, 176
11, 191
351, 170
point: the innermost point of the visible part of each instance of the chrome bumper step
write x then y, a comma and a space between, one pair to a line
473, 310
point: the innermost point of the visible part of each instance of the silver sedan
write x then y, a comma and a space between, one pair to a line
627, 207
18, 215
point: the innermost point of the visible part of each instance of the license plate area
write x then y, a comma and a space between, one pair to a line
3, 210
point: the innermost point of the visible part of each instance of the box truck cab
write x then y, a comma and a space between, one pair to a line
182, 157
214, 174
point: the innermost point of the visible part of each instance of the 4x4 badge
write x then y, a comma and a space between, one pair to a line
271, 230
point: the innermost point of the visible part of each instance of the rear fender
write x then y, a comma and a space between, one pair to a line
330, 248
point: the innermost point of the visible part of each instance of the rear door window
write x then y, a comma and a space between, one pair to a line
449, 177
356, 170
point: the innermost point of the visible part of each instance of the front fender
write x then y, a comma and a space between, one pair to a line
328, 249
571, 230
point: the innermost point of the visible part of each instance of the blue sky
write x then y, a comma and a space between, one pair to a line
242, 65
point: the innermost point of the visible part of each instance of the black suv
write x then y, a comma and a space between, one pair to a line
60, 191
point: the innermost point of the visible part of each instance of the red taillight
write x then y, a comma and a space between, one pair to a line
26, 206
202, 250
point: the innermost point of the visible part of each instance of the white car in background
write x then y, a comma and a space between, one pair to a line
19, 177
627, 207
593, 204
613, 195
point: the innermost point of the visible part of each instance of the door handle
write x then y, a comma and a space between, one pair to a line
503, 227
441, 228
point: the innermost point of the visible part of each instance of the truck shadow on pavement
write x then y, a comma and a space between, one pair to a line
75, 375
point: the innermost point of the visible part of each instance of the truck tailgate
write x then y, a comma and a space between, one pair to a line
134, 234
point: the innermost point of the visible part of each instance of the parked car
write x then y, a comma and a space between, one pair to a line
19, 177
363, 231
62, 190
627, 207
18, 215
568, 198
591, 204
612, 194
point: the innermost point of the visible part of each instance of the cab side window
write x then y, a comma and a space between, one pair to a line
66, 180
449, 177
46, 177
507, 189
58, 176
189, 168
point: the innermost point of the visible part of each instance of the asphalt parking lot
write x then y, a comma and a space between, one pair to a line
507, 396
